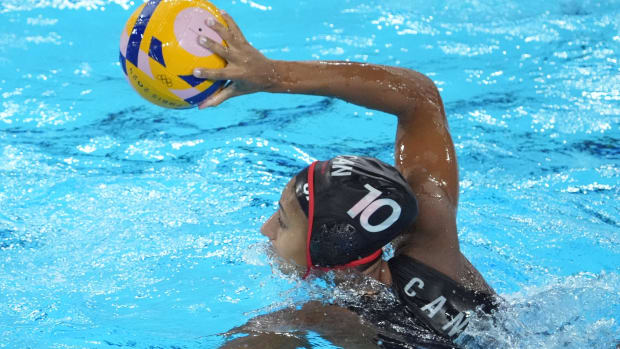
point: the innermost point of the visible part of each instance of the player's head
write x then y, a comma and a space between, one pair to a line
340, 213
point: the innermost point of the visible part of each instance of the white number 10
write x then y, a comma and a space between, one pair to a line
369, 204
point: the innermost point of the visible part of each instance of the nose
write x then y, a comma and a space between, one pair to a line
269, 229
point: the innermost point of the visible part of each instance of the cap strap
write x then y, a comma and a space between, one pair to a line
364, 260
310, 216
301, 190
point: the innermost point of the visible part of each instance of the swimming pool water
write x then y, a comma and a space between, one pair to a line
126, 225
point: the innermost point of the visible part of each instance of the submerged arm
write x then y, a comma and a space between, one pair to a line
287, 328
267, 340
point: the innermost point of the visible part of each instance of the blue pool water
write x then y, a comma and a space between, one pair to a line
126, 225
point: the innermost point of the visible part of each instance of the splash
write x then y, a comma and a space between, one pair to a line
578, 311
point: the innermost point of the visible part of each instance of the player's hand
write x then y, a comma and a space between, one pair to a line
247, 70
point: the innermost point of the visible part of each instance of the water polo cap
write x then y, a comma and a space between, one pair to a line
355, 206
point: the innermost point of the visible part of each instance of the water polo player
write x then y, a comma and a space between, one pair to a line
340, 213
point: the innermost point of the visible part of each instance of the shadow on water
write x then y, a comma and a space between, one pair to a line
123, 129
573, 8
10, 239
604, 147
500, 100
598, 215
137, 123
124, 123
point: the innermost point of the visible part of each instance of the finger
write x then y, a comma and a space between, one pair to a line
232, 25
219, 97
214, 47
216, 74
219, 28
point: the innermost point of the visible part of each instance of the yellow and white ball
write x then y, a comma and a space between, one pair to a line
159, 51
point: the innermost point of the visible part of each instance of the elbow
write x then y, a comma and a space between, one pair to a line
421, 95
427, 89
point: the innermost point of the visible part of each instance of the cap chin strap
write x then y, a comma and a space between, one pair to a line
309, 264
363, 261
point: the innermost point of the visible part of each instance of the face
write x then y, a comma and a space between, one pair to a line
287, 228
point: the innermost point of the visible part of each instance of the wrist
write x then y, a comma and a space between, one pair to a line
293, 77
275, 71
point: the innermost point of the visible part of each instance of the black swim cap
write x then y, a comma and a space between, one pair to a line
355, 206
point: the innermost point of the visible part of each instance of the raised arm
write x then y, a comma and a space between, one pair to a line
424, 151
393, 90
410, 95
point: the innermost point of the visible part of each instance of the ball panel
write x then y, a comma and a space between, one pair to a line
165, 77
124, 42
189, 25
155, 51
152, 90
137, 33
192, 80
123, 61
186, 93
214, 88
144, 64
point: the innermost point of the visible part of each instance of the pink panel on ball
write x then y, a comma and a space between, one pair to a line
189, 24
186, 93
124, 42
144, 63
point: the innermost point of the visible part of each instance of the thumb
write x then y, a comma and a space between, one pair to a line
218, 98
